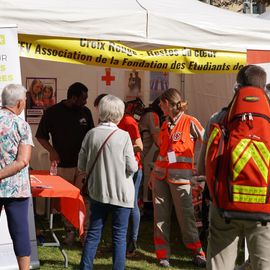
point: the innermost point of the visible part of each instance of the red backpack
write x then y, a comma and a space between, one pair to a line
238, 157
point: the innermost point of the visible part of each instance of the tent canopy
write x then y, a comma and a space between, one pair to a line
185, 23
265, 15
79, 19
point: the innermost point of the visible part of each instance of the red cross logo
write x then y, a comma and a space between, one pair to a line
177, 136
108, 77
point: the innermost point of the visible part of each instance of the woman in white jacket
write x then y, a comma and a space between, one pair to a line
110, 184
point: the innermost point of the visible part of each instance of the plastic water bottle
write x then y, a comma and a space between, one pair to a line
53, 169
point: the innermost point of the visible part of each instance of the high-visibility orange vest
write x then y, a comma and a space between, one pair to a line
179, 141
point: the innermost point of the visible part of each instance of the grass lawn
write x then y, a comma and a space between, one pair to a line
51, 258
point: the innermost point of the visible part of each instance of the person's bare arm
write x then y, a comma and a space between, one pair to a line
22, 160
138, 145
52, 152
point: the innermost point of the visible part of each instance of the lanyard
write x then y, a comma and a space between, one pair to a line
171, 124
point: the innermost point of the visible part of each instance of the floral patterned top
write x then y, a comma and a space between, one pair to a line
13, 131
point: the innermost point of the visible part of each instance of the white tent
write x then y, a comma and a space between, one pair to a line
195, 24
186, 23
265, 15
138, 23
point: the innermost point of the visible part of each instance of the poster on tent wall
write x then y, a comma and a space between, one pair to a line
159, 82
9, 57
41, 94
126, 85
133, 80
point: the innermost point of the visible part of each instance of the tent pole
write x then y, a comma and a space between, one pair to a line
182, 86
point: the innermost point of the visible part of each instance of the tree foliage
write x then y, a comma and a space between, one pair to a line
237, 5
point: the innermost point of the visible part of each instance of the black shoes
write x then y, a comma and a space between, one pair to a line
131, 248
199, 260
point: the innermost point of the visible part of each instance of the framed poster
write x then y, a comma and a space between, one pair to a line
41, 94
134, 84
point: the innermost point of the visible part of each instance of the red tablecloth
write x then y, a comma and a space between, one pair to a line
71, 202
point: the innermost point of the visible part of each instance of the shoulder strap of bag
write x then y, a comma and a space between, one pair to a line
98, 153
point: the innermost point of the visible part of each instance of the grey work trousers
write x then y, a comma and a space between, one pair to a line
165, 195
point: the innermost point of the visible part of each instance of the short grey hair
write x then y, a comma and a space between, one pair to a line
111, 109
12, 93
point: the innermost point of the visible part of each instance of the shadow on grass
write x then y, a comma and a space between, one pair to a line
183, 262
56, 264
145, 259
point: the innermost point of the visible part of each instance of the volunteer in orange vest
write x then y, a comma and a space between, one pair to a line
171, 176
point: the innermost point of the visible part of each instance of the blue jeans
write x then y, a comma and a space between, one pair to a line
99, 214
135, 215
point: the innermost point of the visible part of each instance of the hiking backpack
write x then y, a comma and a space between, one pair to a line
238, 157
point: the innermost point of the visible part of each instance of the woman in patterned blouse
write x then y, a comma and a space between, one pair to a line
15, 152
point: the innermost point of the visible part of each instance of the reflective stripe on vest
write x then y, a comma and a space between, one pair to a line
247, 149
250, 190
249, 194
178, 159
160, 173
177, 175
180, 174
211, 139
249, 198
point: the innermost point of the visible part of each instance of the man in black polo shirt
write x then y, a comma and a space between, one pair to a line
66, 124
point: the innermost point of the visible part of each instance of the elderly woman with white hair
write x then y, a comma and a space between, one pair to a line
15, 148
107, 158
